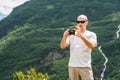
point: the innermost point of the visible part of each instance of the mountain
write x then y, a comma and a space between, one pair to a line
2, 16
30, 37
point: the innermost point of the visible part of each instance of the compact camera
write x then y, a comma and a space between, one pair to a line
72, 31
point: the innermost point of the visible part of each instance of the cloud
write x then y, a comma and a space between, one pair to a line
6, 6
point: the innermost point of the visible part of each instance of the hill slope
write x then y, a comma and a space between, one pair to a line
57, 13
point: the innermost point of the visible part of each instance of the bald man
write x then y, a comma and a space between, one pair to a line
81, 42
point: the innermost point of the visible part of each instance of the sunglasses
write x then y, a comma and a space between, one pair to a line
81, 22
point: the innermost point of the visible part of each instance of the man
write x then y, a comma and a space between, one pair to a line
81, 44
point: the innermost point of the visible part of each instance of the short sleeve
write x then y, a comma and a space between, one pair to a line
93, 38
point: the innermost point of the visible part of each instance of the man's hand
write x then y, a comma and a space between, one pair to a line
78, 31
66, 33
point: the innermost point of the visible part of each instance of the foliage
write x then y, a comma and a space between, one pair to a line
31, 75
57, 13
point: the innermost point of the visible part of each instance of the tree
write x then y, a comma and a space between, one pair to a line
31, 75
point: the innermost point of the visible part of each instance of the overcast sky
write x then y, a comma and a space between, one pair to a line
6, 6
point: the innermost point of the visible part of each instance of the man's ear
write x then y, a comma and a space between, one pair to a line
87, 23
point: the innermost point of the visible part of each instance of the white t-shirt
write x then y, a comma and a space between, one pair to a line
80, 53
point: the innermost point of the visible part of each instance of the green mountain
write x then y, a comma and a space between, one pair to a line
30, 37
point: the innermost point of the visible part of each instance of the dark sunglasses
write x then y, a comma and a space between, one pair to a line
80, 21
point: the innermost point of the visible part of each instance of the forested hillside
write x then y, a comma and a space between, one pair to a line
30, 37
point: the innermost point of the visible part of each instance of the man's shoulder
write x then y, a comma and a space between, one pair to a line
90, 33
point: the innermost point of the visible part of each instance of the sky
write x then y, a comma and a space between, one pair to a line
6, 6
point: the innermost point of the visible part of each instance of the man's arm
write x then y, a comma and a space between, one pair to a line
89, 43
63, 43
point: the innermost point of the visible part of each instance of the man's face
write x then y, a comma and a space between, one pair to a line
81, 22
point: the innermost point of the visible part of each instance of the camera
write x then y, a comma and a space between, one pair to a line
72, 31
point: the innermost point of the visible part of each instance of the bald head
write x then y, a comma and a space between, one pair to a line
82, 17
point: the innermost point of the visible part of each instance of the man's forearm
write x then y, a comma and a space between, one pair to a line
63, 43
88, 42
